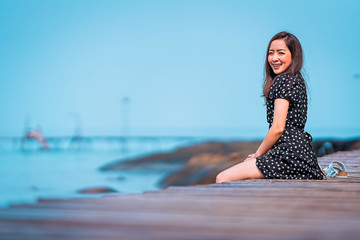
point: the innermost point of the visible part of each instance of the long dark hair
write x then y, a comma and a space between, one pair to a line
296, 60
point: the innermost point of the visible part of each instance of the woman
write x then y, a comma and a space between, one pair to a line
286, 151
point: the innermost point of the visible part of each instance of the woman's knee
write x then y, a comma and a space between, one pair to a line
241, 171
221, 177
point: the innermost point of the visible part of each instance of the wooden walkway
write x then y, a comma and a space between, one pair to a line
251, 209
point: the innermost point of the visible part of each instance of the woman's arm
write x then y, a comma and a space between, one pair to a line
281, 107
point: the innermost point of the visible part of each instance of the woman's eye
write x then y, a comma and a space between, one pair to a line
281, 53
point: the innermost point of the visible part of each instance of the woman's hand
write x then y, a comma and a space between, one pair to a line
250, 156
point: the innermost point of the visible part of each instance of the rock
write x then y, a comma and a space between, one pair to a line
201, 169
164, 161
326, 148
323, 147
93, 190
354, 146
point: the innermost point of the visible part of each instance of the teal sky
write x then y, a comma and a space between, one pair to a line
188, 67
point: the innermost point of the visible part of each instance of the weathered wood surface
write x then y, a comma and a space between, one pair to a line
251, 209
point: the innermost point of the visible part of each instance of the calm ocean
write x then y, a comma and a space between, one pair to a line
29, 174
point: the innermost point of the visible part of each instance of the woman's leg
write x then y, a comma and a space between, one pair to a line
241, 171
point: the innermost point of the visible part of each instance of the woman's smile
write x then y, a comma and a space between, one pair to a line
276, 66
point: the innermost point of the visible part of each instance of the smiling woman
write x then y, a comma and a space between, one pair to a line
279, 56
286, 151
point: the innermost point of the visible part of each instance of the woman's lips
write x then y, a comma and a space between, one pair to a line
276, 66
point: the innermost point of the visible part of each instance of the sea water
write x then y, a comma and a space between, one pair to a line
27, 175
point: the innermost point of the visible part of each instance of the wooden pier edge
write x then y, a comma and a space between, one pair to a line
250, 209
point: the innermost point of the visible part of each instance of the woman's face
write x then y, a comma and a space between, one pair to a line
279, 56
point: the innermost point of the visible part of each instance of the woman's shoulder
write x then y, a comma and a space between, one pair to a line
288, 76
287, 86
288, 79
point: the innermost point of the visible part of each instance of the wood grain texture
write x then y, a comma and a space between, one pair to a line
250, 209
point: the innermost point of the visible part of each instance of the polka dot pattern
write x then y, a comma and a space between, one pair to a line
292, 156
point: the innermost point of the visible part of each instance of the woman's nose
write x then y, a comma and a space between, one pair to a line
274, 57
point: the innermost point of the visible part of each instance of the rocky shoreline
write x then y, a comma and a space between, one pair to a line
200, 163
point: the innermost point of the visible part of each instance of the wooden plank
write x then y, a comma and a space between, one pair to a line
187, 220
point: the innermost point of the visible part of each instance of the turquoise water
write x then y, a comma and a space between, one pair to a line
29, 175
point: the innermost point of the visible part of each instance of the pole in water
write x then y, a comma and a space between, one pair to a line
125, 122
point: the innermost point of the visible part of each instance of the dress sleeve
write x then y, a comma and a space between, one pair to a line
285, 87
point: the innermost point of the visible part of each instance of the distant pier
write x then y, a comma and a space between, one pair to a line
129, 143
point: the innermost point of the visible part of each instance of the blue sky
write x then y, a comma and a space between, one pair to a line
188, 67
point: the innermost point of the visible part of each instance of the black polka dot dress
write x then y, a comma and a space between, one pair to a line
292, 156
